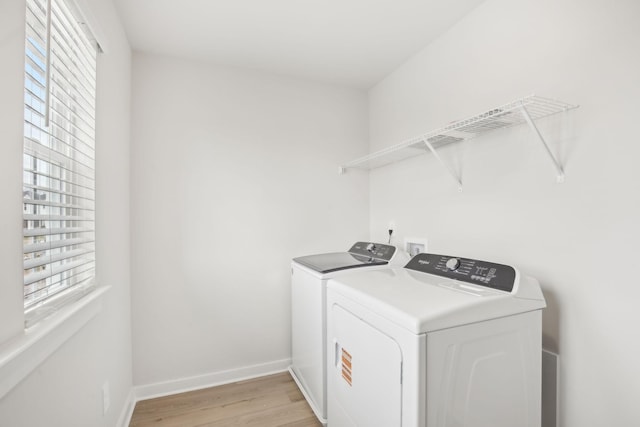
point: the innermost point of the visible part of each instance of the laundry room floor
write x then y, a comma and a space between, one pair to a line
270, 401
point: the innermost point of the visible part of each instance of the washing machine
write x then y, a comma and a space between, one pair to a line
308, 310
443, 342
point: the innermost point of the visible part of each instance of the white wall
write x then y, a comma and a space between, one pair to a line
578, 238
234, 173
66, 389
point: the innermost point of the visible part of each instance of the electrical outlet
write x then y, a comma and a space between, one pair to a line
106, 397
415, 245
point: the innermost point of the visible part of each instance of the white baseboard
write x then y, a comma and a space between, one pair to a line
127, 410
166, 388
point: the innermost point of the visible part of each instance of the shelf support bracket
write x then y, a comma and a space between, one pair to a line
534, 128
446, 166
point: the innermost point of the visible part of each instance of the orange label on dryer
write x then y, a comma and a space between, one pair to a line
346, 367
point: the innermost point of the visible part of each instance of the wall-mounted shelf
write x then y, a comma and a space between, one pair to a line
525, 110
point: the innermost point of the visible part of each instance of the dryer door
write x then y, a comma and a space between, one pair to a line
365, 374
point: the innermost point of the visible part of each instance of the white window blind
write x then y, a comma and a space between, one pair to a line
58, 161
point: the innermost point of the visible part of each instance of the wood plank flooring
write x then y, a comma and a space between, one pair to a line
271, 401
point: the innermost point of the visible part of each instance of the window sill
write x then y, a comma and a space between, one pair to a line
21, 355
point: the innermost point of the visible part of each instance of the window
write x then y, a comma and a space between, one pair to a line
58, 160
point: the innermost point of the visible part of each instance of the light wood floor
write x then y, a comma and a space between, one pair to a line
271, 401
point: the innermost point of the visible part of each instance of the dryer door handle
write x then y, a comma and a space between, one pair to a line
336, 353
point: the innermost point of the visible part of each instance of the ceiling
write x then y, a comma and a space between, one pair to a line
348, 42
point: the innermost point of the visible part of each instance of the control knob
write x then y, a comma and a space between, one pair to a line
371, 247
452, 264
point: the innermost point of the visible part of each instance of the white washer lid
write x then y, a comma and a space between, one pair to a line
422, 302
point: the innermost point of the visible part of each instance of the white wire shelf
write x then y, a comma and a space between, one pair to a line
524, 110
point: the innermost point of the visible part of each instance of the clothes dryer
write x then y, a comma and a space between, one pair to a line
443, 342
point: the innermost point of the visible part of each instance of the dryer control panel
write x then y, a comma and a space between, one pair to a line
488, 274
373, 250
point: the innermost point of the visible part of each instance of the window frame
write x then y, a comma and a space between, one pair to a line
23, 349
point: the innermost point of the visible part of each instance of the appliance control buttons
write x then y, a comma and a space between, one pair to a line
453, 263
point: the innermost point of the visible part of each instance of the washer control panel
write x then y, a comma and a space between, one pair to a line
373, 250
489, 274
